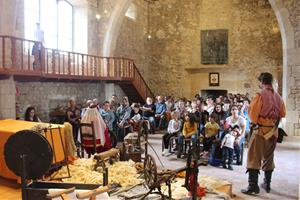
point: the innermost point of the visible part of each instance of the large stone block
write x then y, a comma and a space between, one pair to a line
297, 129
295, 70
293, 56
292, 117
289, 128
8, 114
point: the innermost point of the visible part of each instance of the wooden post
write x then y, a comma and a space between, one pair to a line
53, 61
22, 59
42, 64
29, 56
58, 62
69, 63
13, 53
63, 64
3, 52
82, 64
107, 67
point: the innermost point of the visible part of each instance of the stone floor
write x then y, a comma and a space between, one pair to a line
285, 182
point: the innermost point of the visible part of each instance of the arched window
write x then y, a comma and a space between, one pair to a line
56, 21
131, 12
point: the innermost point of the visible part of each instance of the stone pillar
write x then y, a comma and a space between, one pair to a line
114, 25
112, 88
7, 99
288, 22
109, 90
11, 17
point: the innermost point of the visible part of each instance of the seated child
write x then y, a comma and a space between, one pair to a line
189, 131
227, 146
211, 130
173, 128
135, 117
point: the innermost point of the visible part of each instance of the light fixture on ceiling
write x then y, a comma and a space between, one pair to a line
149, 36
98, 16
106, 7
103, 9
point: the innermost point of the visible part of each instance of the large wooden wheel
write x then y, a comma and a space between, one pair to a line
150, 171
35, 150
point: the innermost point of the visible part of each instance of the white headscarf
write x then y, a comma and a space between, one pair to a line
93, 115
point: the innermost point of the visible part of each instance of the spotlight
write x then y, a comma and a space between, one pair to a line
98, 16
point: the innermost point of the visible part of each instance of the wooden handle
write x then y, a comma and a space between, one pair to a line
110, 153
59, 193
91, 193
64, 197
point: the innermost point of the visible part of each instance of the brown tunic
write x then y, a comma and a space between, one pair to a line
265, 109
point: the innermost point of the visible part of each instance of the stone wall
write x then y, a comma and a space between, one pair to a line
7, 99
11, 17
114, 89
132, 39
174, 51
254, 43
293, 7
45, 96
93, 24
289, 10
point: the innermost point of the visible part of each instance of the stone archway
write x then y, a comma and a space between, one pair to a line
287, 35
291, 66
291, 62
114, 25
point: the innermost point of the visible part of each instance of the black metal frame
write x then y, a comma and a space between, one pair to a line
37, 190
56, 164
191, 169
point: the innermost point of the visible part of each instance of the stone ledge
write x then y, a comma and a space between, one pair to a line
208, 68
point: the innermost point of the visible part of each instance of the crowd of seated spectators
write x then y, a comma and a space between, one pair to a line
213, 121
222, 126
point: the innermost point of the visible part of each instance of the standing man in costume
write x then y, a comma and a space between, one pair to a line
265, 111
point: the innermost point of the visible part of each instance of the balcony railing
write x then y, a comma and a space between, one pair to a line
19, 56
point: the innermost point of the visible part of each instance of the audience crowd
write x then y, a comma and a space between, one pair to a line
221, 123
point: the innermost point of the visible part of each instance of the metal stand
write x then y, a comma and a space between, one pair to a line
154, 179
23, 176
65, 162
29, 155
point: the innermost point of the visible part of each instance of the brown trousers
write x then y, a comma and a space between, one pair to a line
261, 152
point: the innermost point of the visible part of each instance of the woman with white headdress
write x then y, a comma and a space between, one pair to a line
101, 131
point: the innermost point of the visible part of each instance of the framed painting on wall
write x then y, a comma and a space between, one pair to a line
214, 46
214, 79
